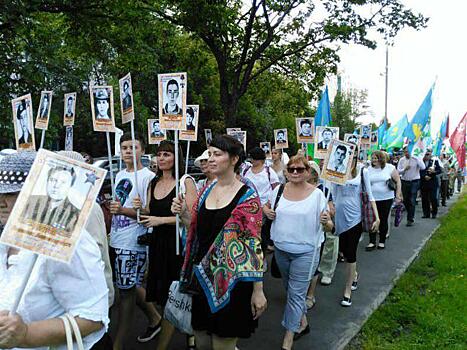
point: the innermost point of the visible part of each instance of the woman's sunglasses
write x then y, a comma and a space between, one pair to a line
299, 170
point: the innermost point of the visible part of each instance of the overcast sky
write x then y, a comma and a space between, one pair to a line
415, 61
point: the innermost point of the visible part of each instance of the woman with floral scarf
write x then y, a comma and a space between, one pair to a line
223, 266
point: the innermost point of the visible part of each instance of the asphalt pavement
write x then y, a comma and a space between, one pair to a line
332, 326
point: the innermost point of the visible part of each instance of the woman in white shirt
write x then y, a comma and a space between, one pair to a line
53, 289
297, 234
348, 220
278, 165
380, 173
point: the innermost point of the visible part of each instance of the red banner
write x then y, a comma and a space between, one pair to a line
457, 141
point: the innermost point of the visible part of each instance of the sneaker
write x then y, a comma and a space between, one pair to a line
381, 246
150, 333
310, 302
370, 247
346, 302
326, 281
354, 283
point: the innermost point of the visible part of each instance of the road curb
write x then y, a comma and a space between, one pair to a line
355, 327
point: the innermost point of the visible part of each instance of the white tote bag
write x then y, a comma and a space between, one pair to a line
178, 309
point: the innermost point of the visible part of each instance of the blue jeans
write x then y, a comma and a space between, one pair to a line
297, 271
409, 192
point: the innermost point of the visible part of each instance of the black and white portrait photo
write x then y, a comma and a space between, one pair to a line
69, 109
22, 120
240, 136
352, 138
53, 205
365, 133
69, 138
44, 106
156, 129
172, 100
323, 137
281, 138
208, 136
102, 108
338, 161
155, 133
374, 137
126, 99
305, 129
192, 117
266, 147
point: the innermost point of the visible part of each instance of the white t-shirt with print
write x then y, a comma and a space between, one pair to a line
125, 230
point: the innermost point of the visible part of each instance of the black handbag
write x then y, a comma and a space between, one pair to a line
275, 272
391, 184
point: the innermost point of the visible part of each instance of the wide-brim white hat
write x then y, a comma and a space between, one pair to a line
204, 156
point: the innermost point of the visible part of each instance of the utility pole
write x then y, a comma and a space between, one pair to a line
386, 89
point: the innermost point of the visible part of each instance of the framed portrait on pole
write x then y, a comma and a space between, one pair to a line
53, 206
155, 133
192, 120
305, 128
23, 123
69, 109
323, 137
172, 100
352, 138
126, 99
102, 108
266, 147
365, 134
281, 140
338, 162
43, 113
208, 137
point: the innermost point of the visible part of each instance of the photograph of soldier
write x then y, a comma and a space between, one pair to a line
22, 120
352, 138
305, 128
323, 137
155, 133
55, 209
126, 99
365, 133
102, 108
338, 161
281, 139
69, 109
172, 101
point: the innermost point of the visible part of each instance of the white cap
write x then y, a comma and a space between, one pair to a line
204, 156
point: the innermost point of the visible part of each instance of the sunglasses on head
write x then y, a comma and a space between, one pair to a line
299, 170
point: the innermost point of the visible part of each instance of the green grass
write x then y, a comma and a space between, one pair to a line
427, 309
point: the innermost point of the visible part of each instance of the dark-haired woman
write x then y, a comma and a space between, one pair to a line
164, 263
348, 220
223, 264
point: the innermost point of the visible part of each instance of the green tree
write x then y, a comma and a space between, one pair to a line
346, 108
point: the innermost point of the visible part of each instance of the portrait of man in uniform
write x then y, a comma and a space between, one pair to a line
156, 129
102, 104
55, 209
70, 107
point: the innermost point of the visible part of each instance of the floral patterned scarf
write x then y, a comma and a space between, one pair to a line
234, 256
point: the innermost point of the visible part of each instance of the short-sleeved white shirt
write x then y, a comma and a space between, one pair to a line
56, 288
378, 180
263, 182
125, 230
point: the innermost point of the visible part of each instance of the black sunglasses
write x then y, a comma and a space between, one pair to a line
299, 170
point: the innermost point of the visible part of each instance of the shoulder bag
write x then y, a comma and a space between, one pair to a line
275, 272
71, 329
368, 215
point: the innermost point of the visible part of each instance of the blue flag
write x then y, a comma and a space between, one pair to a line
323, 113
381, 132
414, 130
394, 136
441, 136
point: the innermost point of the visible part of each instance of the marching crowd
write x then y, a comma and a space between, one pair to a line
229, 220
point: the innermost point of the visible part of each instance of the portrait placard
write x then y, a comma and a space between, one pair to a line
126, 99
69, 138
240, 136
102, 108
338, 162
374, 137
323, 137
69, 109
172, 100
208, 136
352, 138
192, 117
155, 133
23, 123
53, 206
266, 147
229, 130
281, 140
363, 149
43, 114
305, 128
365, 134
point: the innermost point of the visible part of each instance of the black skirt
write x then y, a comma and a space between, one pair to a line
235, 320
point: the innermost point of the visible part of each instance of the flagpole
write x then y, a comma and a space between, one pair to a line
386, 87
135, 164
42, 138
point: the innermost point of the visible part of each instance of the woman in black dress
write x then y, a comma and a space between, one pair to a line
223, 266
164, 263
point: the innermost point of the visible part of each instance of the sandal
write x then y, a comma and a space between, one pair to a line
310, 302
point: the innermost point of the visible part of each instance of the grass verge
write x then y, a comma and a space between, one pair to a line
427, 309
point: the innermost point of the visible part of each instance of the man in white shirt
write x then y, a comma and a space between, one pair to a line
409, 168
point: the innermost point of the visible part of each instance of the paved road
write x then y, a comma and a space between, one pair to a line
332, 326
